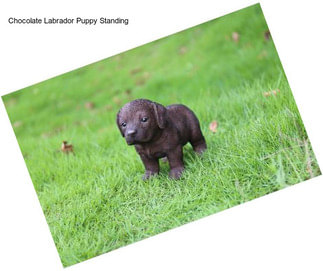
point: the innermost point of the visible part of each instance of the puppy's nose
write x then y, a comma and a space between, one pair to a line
131, 132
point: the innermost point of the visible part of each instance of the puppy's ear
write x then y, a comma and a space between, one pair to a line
160, 115
118, 123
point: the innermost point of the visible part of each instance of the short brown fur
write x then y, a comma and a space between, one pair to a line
158, 131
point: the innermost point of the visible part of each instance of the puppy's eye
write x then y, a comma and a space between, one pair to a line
144, 119
123, 124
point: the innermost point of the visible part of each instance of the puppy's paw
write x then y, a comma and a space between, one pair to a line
176, 173
149, 174
200, 148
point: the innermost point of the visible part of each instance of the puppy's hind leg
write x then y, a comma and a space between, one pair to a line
176, 164
199, 146
197, 141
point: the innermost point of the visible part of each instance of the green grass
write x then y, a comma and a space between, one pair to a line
95, 201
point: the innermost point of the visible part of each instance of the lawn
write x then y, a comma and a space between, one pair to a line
95, 200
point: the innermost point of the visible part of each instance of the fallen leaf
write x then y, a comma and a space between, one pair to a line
135, 71
247, 45
89, 105
84, 123
77, 122
66, 148
146, 75
263, 54
267, 35
213, 126
142, 79
17, 123
117, 58
272, 92
182, 50
116, 100
235, 37
11, 102
108, 107
140, 82
101, 67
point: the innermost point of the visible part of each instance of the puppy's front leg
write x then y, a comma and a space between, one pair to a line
175, 158
151, 166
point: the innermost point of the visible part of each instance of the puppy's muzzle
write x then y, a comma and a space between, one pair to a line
130, 136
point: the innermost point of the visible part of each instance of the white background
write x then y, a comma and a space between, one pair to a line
281, 231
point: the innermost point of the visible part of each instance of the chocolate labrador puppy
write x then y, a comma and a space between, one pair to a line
158, 131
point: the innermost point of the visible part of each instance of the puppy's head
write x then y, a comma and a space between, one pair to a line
140, 120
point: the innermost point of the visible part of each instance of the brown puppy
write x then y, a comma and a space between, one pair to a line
158, 131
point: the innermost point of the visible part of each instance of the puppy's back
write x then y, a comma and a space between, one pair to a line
180, 112
184, 120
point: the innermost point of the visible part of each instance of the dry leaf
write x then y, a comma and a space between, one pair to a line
235, 37
213, 126
135, 71
116, 100
247, 45
66, 148
267, 35
272, 92
84, 123
89, 105
263, 54
146, 75
11, 102
182, 50
101, 67
17, 123
77, 122
117, 58
140, 82
108, 107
